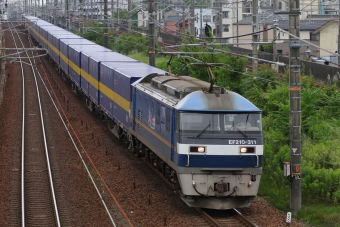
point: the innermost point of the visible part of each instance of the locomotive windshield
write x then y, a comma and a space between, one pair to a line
198, 124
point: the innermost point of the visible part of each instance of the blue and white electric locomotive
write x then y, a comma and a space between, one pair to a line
204, 139
210, 144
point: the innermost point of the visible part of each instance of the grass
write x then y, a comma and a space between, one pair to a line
145, 58
318, 213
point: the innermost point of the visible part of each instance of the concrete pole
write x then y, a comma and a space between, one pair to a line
67, 15
201, 23
192, 18
81, 18
159, 25
117, 11
183, 17
152, 60
237, 23
220, 16
339, 36
130, 14
295, 106
255, 36
106, 40
101, 10
155, 19
54, 12
91, 11
112, 10
274, 31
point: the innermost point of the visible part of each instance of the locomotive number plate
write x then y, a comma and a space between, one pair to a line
242, 142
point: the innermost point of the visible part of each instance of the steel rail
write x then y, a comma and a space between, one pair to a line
208, 218
244, 219
44, 137
79, 150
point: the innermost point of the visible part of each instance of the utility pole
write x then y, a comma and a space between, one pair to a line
106, 41
112, 12
152, 60
81, 18
67, 15
46, 10
339, 37
156, 21
183, 17
160, 17
274, 31
117, 12
295, 106
192, 18
237, 23
54, 12
255, 35
220, 16
201, 23
130, 14
101, 10
91, 11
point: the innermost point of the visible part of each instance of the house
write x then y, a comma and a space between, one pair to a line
328, 36
143, 18
202, 17
171, 24
309, 31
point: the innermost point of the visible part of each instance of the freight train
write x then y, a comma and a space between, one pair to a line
204, 139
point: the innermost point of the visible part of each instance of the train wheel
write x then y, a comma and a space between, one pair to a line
141, 149
147, 155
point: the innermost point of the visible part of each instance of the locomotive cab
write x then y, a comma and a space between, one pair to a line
219, 150
209, 144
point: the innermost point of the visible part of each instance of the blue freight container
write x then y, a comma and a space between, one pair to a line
63, 54
115, 87
74, 54
30, 22
91, 66
44, 32
53, 39
35, 30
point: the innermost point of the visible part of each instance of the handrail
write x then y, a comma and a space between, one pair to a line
188, 160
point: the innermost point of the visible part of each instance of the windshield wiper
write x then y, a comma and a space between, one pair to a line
238, 129
205, 129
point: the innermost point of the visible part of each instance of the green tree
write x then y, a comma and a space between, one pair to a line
268, 48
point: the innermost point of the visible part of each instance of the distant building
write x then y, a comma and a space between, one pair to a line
171, 24
328, 36
202, 17
143, 18
311, 30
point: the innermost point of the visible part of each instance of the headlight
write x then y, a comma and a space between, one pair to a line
197, 149
243, 150
247, 150
201, 149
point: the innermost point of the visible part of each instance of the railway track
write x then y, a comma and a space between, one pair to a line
214, 218
226, 218
36, 204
